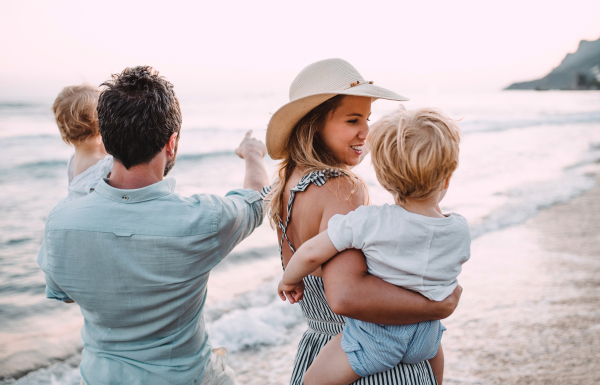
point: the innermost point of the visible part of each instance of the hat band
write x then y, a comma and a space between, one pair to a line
358, 83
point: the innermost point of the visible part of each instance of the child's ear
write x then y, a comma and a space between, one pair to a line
447, 182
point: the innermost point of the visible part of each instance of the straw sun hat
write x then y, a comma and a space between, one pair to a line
314, 85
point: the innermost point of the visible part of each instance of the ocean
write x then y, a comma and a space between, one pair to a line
521, 152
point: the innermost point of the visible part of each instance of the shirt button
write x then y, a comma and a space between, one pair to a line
125, 197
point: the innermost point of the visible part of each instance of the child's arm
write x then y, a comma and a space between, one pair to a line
309, 257
312, 254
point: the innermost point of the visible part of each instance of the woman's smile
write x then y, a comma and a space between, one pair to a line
357, 148
345, 132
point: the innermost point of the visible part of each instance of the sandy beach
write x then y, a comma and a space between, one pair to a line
530, 309
547, 334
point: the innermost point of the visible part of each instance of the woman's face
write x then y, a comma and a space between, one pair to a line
345, 131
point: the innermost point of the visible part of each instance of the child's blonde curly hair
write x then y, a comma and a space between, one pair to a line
75, 113
413, 152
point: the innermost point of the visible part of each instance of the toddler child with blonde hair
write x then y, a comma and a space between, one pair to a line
77, 120
409, 244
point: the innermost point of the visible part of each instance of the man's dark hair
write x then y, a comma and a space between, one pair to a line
137, 114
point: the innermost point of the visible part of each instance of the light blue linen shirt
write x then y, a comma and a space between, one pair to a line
137, 263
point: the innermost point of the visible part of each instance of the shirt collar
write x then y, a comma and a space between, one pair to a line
154, 191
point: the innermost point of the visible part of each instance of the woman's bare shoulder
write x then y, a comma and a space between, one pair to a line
338, 195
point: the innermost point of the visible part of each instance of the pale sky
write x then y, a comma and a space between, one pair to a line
222, 48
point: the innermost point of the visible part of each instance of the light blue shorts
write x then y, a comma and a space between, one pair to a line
375, 348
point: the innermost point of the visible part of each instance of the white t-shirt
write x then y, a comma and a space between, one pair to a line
85, 182
413, 251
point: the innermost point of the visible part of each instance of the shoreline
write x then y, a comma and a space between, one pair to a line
562, 241
538, 319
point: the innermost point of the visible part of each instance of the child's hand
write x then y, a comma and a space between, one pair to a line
294, 292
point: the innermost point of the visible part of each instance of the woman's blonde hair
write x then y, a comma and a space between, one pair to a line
75, 113
413, 152
307, 151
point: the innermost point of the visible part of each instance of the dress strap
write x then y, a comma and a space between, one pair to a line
318, 178
265, 191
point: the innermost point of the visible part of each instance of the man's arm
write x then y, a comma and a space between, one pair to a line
241, 211
53, 291
253, 152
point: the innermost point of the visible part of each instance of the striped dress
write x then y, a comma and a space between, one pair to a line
323, 323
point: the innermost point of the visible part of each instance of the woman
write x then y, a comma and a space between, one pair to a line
319, 136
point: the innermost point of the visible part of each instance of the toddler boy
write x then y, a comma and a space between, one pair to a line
77, 120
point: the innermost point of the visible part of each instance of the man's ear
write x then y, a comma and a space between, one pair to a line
171, 144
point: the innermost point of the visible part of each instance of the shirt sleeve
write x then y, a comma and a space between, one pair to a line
341, 231
53, 291
241, 211
466, 237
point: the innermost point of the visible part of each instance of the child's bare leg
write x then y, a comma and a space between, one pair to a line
437, 365
331, 367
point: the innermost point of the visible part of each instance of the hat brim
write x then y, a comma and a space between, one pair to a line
285, 118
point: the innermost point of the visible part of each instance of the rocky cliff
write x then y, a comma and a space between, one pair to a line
577, 71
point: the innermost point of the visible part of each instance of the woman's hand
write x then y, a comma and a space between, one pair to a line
250, 147
448, 305
294, 292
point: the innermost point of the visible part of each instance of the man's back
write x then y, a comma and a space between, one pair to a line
137, 263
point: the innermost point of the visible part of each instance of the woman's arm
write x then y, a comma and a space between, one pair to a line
352, 292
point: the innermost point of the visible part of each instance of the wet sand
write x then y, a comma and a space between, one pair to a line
530, 312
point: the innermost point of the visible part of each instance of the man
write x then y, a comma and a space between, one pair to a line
135, 256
